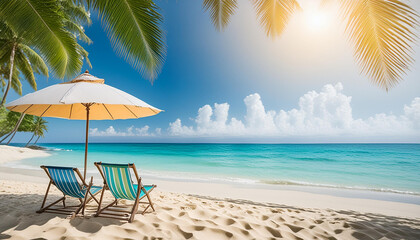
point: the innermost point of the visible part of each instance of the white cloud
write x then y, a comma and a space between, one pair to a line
324, 113
131, 131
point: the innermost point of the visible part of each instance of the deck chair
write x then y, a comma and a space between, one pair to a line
64, 178
117, 179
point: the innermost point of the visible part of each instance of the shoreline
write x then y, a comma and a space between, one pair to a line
389, 203
210, 210
392, 204
13, 153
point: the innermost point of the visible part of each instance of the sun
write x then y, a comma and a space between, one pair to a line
316, 19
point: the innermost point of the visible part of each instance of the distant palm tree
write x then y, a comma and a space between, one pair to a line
382, 31
39, 129
17, 58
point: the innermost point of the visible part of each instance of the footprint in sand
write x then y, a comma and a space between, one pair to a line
230, 221
274, 232
187, 235
294, 228
199, 228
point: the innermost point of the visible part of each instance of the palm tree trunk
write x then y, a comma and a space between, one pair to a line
16, 127
33, 135
37, 139
7, 135
12, 59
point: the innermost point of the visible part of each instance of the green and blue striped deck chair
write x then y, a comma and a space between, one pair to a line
118, 180
64, 178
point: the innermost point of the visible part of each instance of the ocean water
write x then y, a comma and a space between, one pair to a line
375, 167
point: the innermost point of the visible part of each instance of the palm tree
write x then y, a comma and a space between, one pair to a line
39, 128
18, 123
133, 27
17, 59
382, 31
41, 25
73, 16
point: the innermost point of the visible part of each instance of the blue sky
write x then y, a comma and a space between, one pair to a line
204, 66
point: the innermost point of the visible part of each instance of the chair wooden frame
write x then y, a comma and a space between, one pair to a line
120, 213
68, 209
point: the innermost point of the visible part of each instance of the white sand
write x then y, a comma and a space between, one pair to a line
10, 153
290, 214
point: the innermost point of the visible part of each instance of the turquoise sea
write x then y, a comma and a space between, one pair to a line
376, 167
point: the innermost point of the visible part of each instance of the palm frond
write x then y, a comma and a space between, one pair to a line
22, 63
220, 11
78, 31
84, 54
37, 63
16, 85
41, 23
134, 28
76, 12
5, 51
275, 14
382, 32
5, 31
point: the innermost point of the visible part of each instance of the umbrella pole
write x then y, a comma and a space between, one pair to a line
87, 139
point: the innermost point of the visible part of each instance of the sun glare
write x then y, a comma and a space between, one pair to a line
316, 20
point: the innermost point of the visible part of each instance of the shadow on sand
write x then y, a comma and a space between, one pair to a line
22, 215
365, 226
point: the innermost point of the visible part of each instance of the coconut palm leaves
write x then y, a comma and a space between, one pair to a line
275, 14
272, 14
16, 58
382, 32
38, 128
220, 11
42, 24
134, 29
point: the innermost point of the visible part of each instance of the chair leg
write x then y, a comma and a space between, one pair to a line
45, 197
93, 196
100, 201
149, 199
110, 205
83, 204
45, 208
136, 203
134, 211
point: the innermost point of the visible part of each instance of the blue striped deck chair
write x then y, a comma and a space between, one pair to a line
64, 178
117, 179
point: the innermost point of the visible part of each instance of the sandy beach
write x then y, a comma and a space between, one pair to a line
199, 210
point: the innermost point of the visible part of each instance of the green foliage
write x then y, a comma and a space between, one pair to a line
52, 27
41, 25
39, 126
30, 123
134, 29
26, 61
4, 124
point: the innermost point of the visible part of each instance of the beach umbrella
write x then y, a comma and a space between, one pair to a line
84, 98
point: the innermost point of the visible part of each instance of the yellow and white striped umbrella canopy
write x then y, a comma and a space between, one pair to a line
70, 99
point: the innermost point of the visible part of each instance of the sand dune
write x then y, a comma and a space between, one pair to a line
180, 216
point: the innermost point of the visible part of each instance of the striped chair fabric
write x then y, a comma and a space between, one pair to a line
65, 180
119, 181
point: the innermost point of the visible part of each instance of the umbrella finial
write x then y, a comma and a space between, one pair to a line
87, 71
